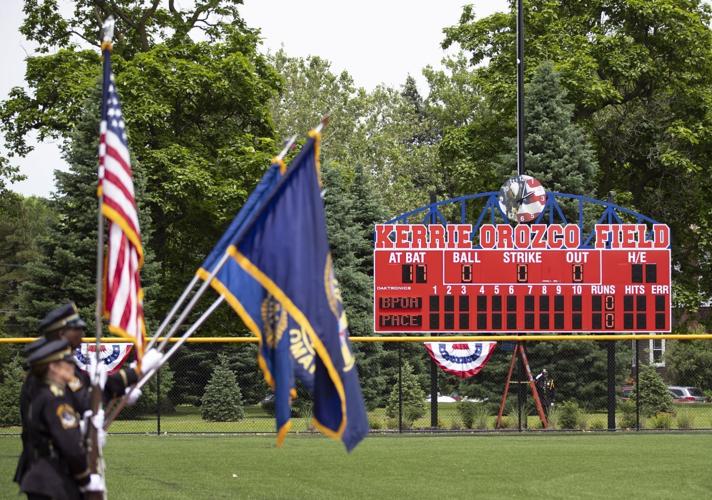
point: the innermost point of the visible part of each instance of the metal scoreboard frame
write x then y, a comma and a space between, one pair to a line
610, 275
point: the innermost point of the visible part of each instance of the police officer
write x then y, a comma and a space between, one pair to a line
26, 392
541, 382
57, 461
65, 323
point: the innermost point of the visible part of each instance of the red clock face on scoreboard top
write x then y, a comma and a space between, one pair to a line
525, 279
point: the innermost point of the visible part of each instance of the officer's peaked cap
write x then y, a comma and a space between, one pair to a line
66, 316
54, 350
33, 346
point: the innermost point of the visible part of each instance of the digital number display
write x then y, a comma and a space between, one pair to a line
432, 279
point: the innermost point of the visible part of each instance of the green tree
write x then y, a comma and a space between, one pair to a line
23, 222
65, 269
413, 397
352, 209
200, 133
557, 152
654, 396
222, 401
12, 377
636, 73
689, 362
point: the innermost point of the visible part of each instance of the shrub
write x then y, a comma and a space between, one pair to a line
13, 377
374, 423
222, 400
661, 420
507, 422
392, 423
570, 416
467, 411
481, 417
147, 403
627, 410
455, 424
553, 418
598, 425
685, 420
654, 395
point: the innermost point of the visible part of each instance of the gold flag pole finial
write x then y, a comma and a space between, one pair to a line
107, 33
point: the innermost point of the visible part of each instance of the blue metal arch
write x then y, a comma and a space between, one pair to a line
484, 207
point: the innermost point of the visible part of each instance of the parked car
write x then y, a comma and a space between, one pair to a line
684, 394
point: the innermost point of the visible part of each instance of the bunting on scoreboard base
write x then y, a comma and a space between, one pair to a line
462, 359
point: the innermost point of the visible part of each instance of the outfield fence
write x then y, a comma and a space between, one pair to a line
592, 385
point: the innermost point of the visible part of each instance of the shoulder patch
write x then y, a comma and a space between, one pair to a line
75, 384
67, 416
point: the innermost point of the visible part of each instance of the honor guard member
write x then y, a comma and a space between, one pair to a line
65, 323
57, 462
26, 392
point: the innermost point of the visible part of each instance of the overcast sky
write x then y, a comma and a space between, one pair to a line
375, 41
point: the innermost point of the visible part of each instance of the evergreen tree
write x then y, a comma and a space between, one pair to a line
654, 395
352, 210
12, 377
222, 401
413, 397
557, 151
65, 270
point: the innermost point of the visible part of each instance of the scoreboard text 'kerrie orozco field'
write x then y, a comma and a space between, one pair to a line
526, 278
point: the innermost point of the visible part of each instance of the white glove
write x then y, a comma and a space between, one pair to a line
133, 395
98, 422
151, 359
95, 484
83, 424
98, 373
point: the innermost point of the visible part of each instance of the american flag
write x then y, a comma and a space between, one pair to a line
123, 296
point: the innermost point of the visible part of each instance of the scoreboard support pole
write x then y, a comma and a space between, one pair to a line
433, 394
611, 386
520, 353
433, 366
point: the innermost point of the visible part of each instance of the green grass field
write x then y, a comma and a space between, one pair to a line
469, 466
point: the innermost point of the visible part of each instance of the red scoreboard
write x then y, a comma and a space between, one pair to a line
527, 278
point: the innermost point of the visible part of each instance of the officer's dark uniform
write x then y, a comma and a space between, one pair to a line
67, 316
57, 462
26, 392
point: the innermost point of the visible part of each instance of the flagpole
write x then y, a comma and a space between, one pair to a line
95, 454
147, 376
189, 307
288, 145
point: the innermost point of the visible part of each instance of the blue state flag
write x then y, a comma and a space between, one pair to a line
279, 278
294, 354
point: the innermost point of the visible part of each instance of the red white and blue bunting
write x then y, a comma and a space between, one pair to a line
462, 359
112, 355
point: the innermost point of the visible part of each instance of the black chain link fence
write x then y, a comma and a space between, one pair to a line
218, 388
